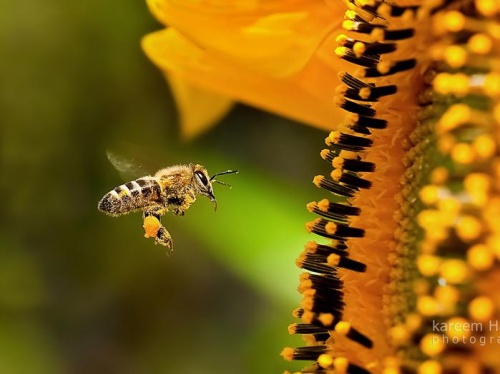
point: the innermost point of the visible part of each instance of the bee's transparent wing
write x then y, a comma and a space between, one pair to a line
131, 161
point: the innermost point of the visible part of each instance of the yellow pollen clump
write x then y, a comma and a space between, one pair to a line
484, 146
440, 175
480, 257
481, 308
447, 295
323, 205
492, 84
359, 48
427, 305
454, 21
432, 344
428, 265
454, 271
364, 93
449, 208
468, 228
399, 335
429, 367
446, 143
462, 153
446, 83
325, 360
480, 44
487, 8
413, 322
493, 243
429, 194
455, 56
326, 319
454, 116
151, 226
458, 327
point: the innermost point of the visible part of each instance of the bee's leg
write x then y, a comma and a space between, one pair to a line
153, 227
186, 202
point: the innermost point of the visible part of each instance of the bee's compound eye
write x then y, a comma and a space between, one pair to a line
201, 177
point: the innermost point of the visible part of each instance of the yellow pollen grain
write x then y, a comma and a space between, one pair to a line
341, 39
341, 51
446, 83
429, 194
333, 259
151, 226
455, 115
454, 21
343, 327
468, 228
383, 67
365, 93
413, 322
318, 179
429, 367
492, 84
455, 56
484, 146
427, 305
487, 8
338, 162
449, 208
447, 295
439, 175
481, 308
493, 243
480, 44
323, 205
454, 271
359, 48
399, 335
331, 228
324, 153
326, 319
287, 353
463, 153
458, 327
325, 360
432, 344
480, 257
428, 265
477, 182
446, 143
310, 206
336, 174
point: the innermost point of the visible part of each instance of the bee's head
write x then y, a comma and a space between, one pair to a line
204, 183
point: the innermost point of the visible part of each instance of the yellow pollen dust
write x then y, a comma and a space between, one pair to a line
151, 226
429, 367
463, 153
484, 146
481, 308
454, 116
446, 83
413, 322
427, 305
492, 84
454, 271
480, 44
447, 295
468, 228
480, 257
439, 175
399, 335
428, 265
429, 194
325, 360
487, 8
455, 56
454, 21
359, 48
432, 344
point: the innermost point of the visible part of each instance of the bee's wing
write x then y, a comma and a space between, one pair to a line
130, 161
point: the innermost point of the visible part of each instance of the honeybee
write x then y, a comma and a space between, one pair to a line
173, 189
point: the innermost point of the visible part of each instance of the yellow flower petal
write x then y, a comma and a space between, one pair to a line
305, 96
199, 109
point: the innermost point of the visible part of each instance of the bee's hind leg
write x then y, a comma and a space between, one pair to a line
153, 227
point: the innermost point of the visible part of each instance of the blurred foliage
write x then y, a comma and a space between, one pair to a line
81, 292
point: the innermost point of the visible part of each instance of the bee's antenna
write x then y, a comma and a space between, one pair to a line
212, 178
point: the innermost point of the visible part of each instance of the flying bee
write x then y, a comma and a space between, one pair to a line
173, 189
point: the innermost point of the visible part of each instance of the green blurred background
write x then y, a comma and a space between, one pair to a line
81, 292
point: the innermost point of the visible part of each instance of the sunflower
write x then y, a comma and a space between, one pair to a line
401, 278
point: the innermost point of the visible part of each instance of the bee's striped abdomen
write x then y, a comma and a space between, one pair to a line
130, 196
